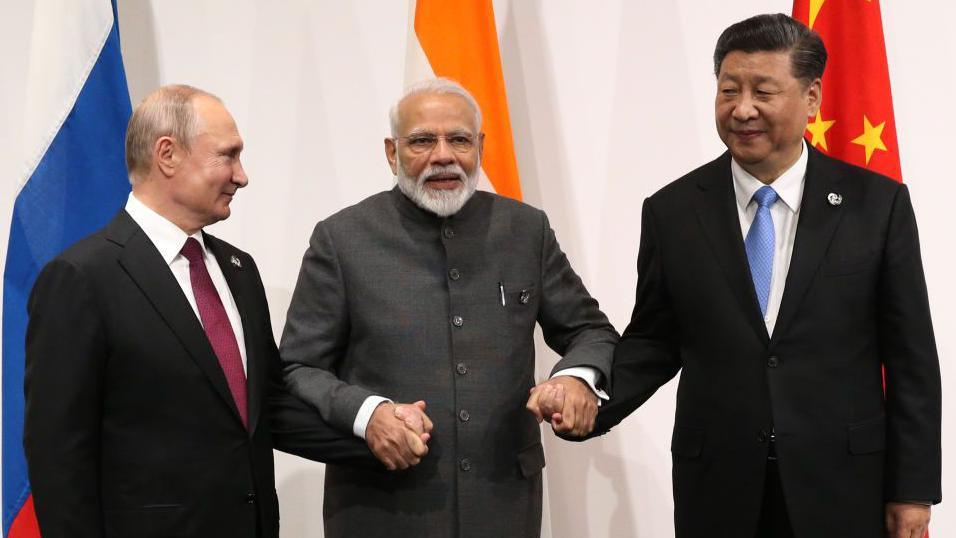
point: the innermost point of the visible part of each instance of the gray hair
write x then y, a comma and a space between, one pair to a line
168, 111
441, 86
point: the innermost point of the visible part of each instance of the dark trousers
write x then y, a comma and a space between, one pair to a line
774, 521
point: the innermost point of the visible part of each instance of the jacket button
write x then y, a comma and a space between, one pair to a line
773, 362
464, 415
457, 321
454, 274
762, 436
461, 368
465, 464
448, 232
251, 498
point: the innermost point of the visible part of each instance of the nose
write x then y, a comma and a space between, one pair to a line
239, 177
442, 154
744, 109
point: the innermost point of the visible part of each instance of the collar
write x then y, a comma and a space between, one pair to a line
789, 185
166, 236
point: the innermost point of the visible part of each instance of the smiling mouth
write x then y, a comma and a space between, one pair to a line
747, 135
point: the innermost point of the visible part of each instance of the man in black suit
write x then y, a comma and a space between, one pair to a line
153, 392
778, 280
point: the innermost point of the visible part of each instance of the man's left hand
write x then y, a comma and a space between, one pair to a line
415, 418
906, 520
567, 402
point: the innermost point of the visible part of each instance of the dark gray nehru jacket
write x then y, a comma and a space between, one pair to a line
395, 301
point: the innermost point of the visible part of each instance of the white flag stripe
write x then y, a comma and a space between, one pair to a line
68, 36
416, 62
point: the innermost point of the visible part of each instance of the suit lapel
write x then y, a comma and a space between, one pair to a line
239, 284
717, 213
146, 267
815, 228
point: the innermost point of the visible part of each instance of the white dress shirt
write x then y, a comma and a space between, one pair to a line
785, 212
169, 240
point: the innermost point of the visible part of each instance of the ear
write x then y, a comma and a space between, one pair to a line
166, 155
814, 97
481, 145
390, 149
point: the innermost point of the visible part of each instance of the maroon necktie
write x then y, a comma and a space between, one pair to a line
217, 326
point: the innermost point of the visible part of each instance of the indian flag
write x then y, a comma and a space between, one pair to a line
458, 40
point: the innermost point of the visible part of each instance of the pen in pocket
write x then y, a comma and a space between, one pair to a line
501, 289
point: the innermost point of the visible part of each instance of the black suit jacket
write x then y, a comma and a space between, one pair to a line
130, 428
855, 297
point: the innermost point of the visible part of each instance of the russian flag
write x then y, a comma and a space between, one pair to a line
73, 181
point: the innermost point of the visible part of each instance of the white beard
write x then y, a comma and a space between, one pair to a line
441, 202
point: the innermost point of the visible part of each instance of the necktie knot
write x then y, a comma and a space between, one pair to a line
192, 251
765, 197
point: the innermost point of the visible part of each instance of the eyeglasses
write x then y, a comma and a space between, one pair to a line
426, 142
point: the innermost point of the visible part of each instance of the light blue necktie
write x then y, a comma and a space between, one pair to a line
760, 243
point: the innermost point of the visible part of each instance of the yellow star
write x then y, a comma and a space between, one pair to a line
871, 139
818, 129
815, 6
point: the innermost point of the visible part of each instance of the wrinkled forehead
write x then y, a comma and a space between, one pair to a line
436, 112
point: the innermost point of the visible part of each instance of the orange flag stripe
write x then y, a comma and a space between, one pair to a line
461, 43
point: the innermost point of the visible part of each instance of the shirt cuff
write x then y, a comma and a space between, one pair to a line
365, 414
587, 374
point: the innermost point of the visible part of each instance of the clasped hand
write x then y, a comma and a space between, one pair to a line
398, 434
567, 402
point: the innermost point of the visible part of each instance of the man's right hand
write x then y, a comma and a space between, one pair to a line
397, 434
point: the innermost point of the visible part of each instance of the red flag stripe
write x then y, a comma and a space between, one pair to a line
25, 523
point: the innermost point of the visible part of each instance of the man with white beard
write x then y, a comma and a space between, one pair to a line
429, 293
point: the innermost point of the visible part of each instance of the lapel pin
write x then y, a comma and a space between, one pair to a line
524, 297
835, 199
235, 261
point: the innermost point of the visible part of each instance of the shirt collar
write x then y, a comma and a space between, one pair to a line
789, 186
166, 236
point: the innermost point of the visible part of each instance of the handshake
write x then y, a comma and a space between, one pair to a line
398, 433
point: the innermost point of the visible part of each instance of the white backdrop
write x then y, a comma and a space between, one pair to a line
609, 101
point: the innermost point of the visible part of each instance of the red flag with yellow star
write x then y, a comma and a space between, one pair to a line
855, 123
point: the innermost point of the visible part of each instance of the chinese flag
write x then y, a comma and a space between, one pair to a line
855, 123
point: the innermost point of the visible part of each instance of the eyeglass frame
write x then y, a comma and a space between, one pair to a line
474, 141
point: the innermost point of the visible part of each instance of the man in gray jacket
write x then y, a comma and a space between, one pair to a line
429, 293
